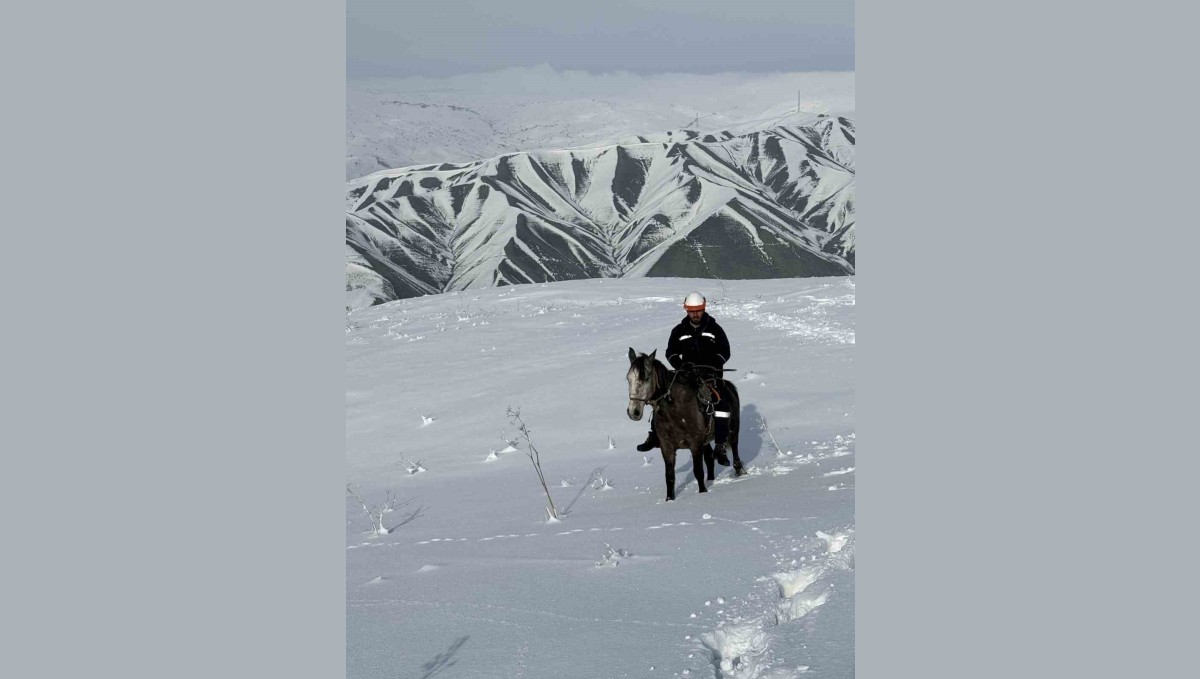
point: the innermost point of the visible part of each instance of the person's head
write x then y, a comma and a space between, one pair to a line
694, 305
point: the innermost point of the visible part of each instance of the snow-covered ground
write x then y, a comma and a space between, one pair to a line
752, 579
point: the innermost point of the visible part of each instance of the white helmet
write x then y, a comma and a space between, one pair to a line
694, 301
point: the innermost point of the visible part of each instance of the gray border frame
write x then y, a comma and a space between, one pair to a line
174, 409
174, 350
1016, 333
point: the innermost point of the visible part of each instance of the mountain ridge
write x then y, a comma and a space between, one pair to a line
769, 203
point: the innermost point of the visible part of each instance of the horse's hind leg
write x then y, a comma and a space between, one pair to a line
669, 463
698, 468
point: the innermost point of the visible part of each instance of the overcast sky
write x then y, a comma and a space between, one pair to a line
448, 37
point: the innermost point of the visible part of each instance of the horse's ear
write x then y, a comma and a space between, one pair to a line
652, 354
632, 355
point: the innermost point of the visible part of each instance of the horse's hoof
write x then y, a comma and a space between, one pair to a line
703, 490
741, 472
710, 477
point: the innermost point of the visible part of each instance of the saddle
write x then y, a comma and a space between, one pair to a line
709, 395
708, 391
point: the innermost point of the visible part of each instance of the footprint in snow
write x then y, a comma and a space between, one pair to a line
738, 649
796, 581
800, 605
834, 542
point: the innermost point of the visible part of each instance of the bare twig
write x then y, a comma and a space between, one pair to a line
514, 415
374, 512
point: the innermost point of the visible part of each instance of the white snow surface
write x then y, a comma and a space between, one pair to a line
754, 578
398, 122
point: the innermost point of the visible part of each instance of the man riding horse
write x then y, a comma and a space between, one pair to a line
698, 344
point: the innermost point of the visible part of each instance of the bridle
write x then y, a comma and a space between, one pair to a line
654, 376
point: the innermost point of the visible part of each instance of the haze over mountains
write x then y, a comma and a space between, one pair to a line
770, 196
398, 122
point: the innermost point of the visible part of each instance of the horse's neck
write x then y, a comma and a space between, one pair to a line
668, 381
663, 375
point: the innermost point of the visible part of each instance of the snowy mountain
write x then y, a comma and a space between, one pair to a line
401, 122
741, 203
753, 579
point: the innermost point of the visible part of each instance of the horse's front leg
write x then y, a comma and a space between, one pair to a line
668, 455
698, 466
709, 462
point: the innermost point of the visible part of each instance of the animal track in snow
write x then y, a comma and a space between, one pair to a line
612, 556
433, 540
738, 649
742, 645
800, 605
797, 600
668, 525
836, 541
793, 582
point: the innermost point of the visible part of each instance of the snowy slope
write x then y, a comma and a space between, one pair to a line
766, 203
752, 579
399, 122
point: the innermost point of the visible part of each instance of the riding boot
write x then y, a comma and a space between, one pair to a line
651, 440
720, 434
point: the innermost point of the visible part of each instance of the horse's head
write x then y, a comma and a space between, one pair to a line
643, 381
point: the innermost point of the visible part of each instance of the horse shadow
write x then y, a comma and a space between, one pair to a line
750, 440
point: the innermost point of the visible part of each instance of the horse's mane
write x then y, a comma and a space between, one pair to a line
667, 377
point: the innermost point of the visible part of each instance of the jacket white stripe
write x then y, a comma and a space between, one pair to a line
708, 334
683, 337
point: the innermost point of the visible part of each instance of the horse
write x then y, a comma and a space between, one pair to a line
678, 418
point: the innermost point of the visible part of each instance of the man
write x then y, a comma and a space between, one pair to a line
699, 341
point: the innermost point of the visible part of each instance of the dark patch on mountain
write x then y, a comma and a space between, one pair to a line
628, 180
767, 204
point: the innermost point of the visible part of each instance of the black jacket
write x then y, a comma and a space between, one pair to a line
705, 344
